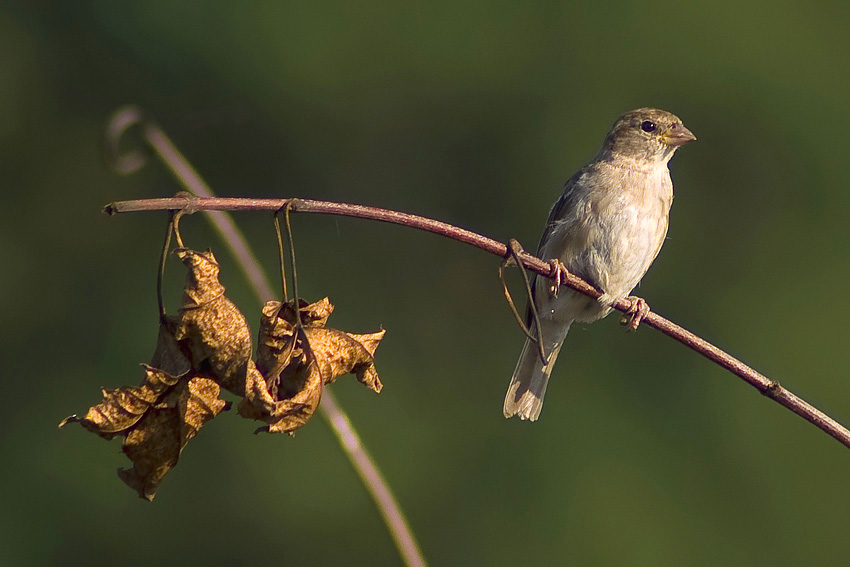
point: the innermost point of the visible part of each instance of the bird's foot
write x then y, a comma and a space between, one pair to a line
558, 271
638, 309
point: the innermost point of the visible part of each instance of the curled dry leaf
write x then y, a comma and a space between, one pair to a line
157, 418
312, 314
339, 353
210, 329
154, 449
258, 401
297, 363
288, 414
122, 408
167, 355
197, 403
280, 357
155, 444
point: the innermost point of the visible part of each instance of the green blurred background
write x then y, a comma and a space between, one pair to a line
474, 113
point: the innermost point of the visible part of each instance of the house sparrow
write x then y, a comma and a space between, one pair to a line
606, 228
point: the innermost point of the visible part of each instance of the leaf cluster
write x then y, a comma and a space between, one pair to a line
207, 347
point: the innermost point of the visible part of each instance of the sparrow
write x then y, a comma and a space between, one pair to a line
607, 228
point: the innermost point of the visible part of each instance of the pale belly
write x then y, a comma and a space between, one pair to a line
611, 250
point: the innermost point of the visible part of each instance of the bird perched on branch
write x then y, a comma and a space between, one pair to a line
606, 228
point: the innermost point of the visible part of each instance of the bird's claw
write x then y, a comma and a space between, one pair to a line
558, 271
638, 309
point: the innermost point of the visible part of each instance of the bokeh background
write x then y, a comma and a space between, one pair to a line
474, 113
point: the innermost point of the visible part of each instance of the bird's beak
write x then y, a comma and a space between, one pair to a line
677, 135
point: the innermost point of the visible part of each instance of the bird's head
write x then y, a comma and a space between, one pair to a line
646, 134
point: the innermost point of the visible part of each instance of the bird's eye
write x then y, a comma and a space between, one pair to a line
648, 126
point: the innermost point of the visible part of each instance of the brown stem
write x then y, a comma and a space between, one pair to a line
763, 384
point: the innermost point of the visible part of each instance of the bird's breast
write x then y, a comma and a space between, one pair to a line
617, 228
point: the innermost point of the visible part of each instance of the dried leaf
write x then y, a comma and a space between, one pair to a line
297, 364
198, 403
339, 353
287, 414
210, 329
365, 371
154, 447
280, 358
312, 314
167, 356
122, 408
156, 443
257, 396
159, 417
267, 394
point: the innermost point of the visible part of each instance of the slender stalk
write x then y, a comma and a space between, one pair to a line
156, 139
374, 481
166, 247
282, 261
763, 384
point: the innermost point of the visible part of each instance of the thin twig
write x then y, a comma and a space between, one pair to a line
282, 261
514, 249
763, 384
156, 140
292, 264
166, 248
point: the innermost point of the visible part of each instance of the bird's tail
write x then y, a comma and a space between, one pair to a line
528, 384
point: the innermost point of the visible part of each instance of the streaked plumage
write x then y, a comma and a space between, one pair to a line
606, 228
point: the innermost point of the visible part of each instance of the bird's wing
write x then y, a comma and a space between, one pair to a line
561, 211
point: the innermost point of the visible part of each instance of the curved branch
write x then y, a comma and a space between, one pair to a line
763, 384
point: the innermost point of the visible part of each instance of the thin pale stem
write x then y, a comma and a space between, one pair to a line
374, 481
357, 454
763, 384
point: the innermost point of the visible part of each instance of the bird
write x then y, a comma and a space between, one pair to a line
607, 228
